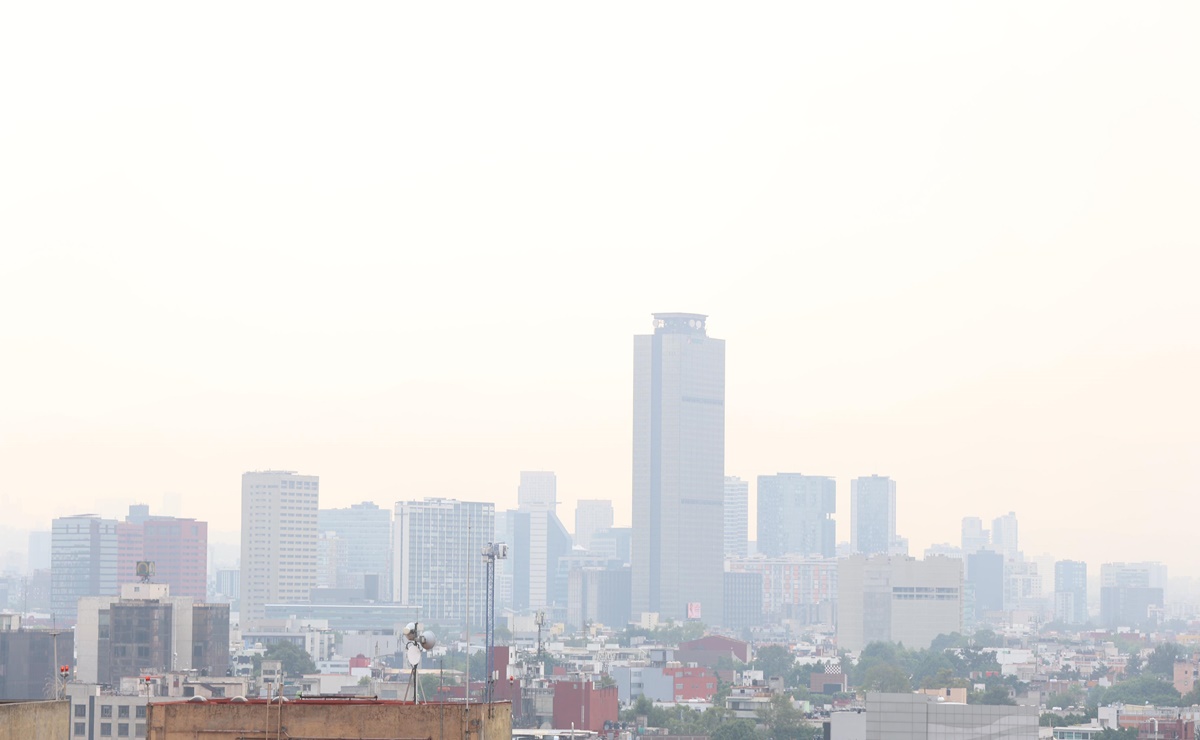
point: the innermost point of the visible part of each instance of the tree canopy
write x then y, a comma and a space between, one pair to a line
1141, 690
296, 660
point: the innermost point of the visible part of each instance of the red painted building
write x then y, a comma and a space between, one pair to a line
178, 548
1167, 729
709, 649
692, 684
581, 703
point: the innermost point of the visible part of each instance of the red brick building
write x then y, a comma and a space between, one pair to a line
1167, 729
709, 649
692, 684
178, 548
581, 703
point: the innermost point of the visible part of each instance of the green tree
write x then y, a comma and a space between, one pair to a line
1191, 698
429, 684
1141, 690
986, 638
997, 693
1070, 698
784, 721
886, 677
773, 660
1162, 660
738, 729
296, 660
876, 653
934, 669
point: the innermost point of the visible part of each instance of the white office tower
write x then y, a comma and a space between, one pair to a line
897, 599
538, 491
1004, 536
591, 516
437, 549
279, 540
974, 536
679, 470
537, 496
737, 517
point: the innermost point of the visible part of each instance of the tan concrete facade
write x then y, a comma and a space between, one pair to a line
321, 719
35, 720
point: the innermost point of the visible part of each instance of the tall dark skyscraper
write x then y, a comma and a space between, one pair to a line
678, 469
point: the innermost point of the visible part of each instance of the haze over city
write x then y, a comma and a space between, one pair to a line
406, 249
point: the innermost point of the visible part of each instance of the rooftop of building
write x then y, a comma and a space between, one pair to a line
679, 323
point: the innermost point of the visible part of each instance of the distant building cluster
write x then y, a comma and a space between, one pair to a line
118, 614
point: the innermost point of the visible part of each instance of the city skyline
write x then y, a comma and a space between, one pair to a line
944, 247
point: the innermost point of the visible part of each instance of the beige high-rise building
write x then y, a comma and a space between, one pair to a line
279, 540
886, 598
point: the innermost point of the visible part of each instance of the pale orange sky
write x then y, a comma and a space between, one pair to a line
406, 248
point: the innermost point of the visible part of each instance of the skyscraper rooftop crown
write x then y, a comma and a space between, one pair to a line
679, 323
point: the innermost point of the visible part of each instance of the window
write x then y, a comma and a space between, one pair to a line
123, 729
106, 710
139, 730
140, 711
123, 711
106, 729
81, 728
81, 710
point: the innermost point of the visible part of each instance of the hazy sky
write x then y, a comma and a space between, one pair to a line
405, 247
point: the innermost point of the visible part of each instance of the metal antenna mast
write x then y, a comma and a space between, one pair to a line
541, 619
492, 552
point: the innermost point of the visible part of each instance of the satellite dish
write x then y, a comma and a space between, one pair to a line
410, 631
413, 653
428, 640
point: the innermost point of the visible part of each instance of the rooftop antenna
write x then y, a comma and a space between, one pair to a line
492, 552
540, 619
416, 643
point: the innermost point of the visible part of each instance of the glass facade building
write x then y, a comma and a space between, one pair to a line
365, 531
438, 549
737, 517
83, 562
872, 514
795, 515
1070, 592
678, 470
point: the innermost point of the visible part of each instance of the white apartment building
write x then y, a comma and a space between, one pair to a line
279, 540
437, 550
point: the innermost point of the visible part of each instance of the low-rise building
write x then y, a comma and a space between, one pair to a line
35, 720
584, 706
920, 717
349, 718
31, 659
